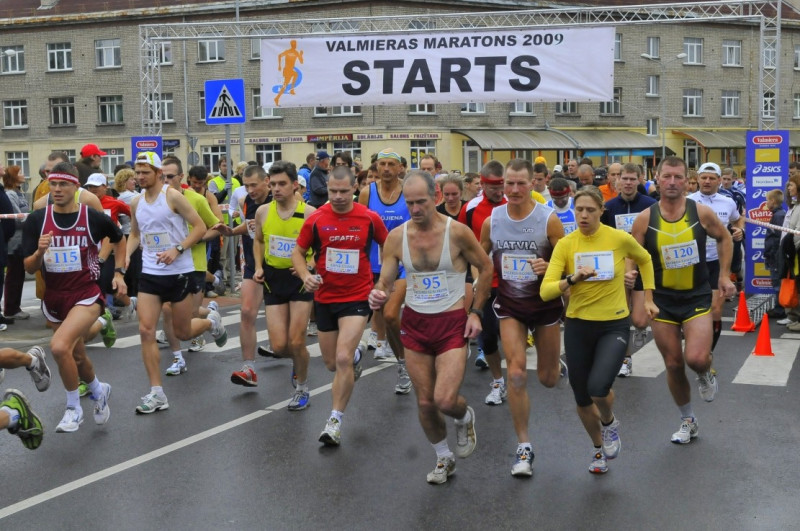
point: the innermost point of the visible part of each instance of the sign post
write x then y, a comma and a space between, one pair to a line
225, 105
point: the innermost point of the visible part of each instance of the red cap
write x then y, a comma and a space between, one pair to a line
90, 150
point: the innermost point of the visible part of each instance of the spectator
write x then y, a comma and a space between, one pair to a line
91, 157
15, 270
318, 180
7, 229
125, 185
772, 244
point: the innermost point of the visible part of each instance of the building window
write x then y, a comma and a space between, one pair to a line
770, 55
262, 112
107, 52
796, 106
420, 148
19, 158
654, 47
210, 51
59, 56
255, 42
268, 153
652, 127
212, 156
692, 102
15, 114
164, 53
730, 103
354, 148
201, 97
320, 111
473, 108
797, 56
731, 53
62, 111
114, 157
653, 83
693, 48
12, 60
768, 105
567, 107
422, 108
166, 107
613, 106
346, 110
522, 108
110, 109
618, 46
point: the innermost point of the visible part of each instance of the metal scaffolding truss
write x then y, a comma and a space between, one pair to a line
767, 14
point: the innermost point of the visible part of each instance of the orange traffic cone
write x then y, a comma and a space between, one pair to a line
763, 343
743, 322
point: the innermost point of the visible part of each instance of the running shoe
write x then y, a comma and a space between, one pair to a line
177, 368
403, 385
523, 466
218, 331
611, 441
20, 315
299, 401
219, 283
794, 326
211, 294
108, 332
497, 395
246, 377
83, 388
445, 467
708, 385
161, 338
639, 337
466, 439
332, 434
29, 426
71, 421
372, 340
785, 321
266, 352
152, 403
381, 353
563, 374
129, 314
626, 368
480, 361
101, 409
312, 329
599, 465
198, 343
358, 367
686, 432
40, 374
213, 306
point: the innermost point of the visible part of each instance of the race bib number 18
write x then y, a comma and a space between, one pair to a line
341, 261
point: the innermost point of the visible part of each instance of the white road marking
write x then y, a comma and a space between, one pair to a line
769, 370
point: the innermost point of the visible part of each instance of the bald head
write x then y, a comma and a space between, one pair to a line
585, 175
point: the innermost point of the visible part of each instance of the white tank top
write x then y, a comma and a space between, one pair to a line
161, 229
432, 292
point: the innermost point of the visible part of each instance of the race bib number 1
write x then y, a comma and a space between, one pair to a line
341, 261
602, 262
516, 267
281, 247
63, 259
158, 242
680, 255
429, 286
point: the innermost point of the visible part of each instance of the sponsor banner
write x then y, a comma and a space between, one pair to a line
767, 168
397, 136
564, 64
146, 143
264, 140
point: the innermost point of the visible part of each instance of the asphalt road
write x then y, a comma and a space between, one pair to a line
228, 457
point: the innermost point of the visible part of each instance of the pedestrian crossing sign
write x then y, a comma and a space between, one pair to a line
225, 102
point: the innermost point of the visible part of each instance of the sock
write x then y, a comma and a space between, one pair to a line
442, 449
178, 355
249, 365
686, 411
13, 417
501, 381
337, 415
607, 423
158, 390
717, 332
34, 363
102, 321
94, 387
303, 386
73, 400
466, 418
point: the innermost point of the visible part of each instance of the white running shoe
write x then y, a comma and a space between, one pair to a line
101, 409
497, 395
177, 368
372, 340
71, 421
599, 465
213, 306
708, 385
626, 368
523, 466
687, 431
445, 467
466, 439
611, 441
41, 373
152, 403
161, 338
639, 337
198, 344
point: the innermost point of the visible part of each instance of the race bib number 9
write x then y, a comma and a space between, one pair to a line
516, 267
281, 247
625, 221
158, 242
602, 262
680, 255
341, 261
428, 287
63, 259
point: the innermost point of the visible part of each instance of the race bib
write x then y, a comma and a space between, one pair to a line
428, 287
680, 255
341, 261
516, 267
281, 247
625, 221
158, 242
570, 227
251, 228
63, 259
602, 262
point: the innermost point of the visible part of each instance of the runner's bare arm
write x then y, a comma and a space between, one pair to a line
258, 243
715, 229
477, 256
133, 237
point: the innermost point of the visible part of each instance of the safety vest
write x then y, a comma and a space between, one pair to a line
219, 180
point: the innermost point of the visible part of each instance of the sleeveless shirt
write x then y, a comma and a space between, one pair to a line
161, 229
392, 215
71, 260
280, 235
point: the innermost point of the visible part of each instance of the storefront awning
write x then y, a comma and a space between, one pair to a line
504, 140
715, 139
613, 140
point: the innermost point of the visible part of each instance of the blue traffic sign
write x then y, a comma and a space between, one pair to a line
225, 102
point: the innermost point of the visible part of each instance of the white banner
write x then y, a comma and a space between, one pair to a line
575, 64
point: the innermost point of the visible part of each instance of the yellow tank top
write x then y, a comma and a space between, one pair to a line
280, 235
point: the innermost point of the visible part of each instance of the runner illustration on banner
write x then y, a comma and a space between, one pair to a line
292, 76
225, 105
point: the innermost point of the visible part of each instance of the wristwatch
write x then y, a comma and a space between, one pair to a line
179, 248
569, 280
477, 312
120, 270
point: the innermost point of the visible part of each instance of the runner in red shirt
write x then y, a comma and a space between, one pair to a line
340, 234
